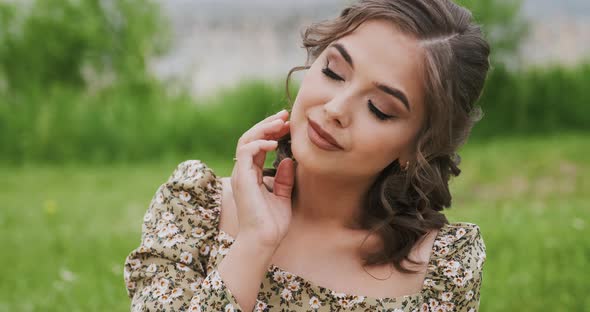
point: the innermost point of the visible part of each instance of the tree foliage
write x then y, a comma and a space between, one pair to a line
78, 43
503, 24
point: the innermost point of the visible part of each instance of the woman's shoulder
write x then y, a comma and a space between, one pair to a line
460, 245
193, 173
456, 269
459, 238
187, 203
462, 230
196, 184
178, 227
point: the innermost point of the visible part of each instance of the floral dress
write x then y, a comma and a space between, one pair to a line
175, 266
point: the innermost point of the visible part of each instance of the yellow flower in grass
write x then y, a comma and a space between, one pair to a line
50, 207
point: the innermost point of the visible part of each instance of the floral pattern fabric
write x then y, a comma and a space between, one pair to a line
175, 266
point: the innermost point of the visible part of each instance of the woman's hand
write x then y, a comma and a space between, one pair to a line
263, 216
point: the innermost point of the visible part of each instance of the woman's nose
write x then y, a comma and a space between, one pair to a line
338, 110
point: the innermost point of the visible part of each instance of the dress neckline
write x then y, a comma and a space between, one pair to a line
218, 188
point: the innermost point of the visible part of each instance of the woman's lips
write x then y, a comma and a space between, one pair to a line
319, 141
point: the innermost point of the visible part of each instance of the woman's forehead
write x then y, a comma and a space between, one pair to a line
381, 42
382, 53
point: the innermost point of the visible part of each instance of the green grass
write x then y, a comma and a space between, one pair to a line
66, 230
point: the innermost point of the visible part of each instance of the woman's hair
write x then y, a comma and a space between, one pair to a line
402, 206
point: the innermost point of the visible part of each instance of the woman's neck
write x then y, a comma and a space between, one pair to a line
327, 201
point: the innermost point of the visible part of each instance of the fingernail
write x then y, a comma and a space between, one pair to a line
284, 110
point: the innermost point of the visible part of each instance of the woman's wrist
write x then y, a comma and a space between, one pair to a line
255, 242
243, 269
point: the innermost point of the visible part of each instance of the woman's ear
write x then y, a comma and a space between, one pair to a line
404, 161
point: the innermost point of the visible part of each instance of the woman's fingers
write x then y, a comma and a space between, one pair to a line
281, 114
284, 179
246, 154
267, 216
272, 127
265, 131
286, 129
260, 157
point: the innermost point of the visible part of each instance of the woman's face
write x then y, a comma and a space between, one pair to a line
365, 90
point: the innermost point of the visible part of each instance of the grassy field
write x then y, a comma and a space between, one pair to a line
66, 230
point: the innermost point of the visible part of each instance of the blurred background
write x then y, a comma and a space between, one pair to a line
101, 99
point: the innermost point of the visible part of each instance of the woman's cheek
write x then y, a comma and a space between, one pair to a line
369, 141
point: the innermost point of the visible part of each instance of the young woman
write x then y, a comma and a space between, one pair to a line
349, 218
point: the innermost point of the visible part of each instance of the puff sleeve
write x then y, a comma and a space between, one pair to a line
460, 256
168, 271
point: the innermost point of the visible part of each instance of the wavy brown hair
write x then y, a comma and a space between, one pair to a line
403, 205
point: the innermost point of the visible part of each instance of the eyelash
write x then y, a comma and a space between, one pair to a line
332, 75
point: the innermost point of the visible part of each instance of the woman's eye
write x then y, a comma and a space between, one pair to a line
328, 72
377, 112
332, 75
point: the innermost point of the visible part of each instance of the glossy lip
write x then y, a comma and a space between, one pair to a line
323, 139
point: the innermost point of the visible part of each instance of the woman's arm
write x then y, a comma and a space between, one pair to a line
167, 272
263, 215
244, 266
178, 228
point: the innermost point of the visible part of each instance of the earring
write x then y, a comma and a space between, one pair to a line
405, 168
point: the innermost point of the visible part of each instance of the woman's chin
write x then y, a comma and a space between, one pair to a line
311, 159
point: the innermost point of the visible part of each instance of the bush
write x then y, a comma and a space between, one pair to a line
535, 101
66, 125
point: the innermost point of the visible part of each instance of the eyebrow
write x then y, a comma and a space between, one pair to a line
387, 89
394, 92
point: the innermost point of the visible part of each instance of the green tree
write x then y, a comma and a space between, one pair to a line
61, 41
503, 24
